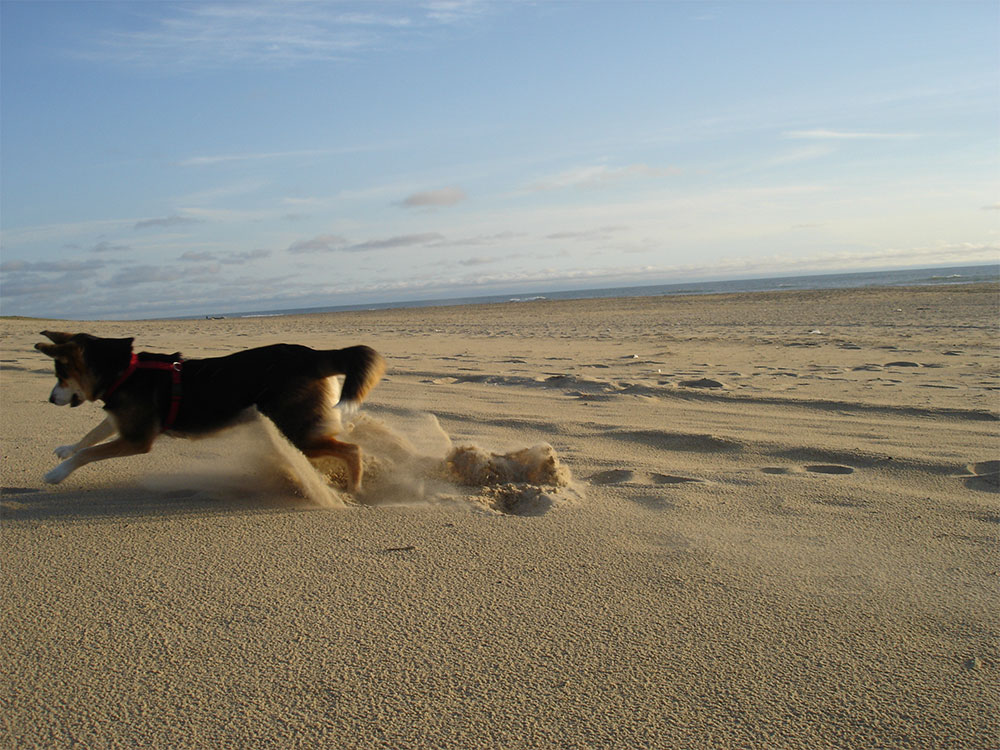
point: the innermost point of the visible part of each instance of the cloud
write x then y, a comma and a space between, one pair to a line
46, 289
844, 135
993, 207
600, 175
202, 161
236, 258
57, 266
405, 240
268, 34
105, 246
448, 196
49, 282
166, 222
453, 11
601, 233
800, 154
199, 256
324, 243
245, 257
335, 243
134, 275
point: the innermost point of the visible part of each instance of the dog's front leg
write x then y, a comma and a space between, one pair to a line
102, 432
112, 449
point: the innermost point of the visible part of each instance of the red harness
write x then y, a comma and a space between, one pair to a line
175, 371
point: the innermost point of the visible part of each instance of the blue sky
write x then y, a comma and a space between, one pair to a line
202, 157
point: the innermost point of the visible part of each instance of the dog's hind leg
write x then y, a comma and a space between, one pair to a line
103, 431
350, 454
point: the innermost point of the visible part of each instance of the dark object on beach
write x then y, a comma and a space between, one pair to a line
702, 383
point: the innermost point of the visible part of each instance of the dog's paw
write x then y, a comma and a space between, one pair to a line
57, 474
65, 451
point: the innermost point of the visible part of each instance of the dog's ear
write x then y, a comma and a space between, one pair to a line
57, 337
56, 351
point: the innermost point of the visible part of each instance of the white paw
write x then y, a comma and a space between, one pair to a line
57, 474
65, 451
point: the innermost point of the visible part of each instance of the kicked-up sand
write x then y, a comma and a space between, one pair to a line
747, 521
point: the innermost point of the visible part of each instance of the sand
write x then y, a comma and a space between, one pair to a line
749, 521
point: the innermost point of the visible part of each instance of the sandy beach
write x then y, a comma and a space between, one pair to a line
744, 521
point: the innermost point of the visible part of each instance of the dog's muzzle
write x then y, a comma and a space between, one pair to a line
63, 396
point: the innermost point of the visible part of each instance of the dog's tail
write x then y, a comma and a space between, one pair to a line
362, 368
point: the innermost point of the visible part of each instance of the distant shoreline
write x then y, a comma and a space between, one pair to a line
933, 276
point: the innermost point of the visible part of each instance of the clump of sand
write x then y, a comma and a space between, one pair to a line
539, 464
525, 482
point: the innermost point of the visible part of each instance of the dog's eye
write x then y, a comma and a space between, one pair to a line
60, 370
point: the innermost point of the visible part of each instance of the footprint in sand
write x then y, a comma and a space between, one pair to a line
613, 476
812, 468
829, 469
985, 476
669, 479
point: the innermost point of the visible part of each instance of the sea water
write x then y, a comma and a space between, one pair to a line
904, 277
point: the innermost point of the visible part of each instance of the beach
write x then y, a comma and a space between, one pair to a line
717, 521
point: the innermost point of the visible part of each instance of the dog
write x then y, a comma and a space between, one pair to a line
148, 394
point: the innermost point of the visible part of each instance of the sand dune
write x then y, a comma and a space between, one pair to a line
752, 521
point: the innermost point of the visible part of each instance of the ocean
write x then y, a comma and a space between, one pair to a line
905, 277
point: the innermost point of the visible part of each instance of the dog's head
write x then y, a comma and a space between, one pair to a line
85, 364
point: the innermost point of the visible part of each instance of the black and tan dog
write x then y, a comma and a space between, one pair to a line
147, 394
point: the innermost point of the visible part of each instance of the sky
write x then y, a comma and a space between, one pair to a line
169, 159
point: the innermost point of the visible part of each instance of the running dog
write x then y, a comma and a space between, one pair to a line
147, 394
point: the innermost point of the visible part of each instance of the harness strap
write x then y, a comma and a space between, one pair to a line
175, 392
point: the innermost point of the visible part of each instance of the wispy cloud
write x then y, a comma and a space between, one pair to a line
203, 161
452, 11
52, 266
845, 135
106, 246
601, 233
166, 222
448, 196
480, 261
260, 34
335, 243
799, 154
133, 275
600, 175
405, 240
46, 289
235, 258
324, 243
